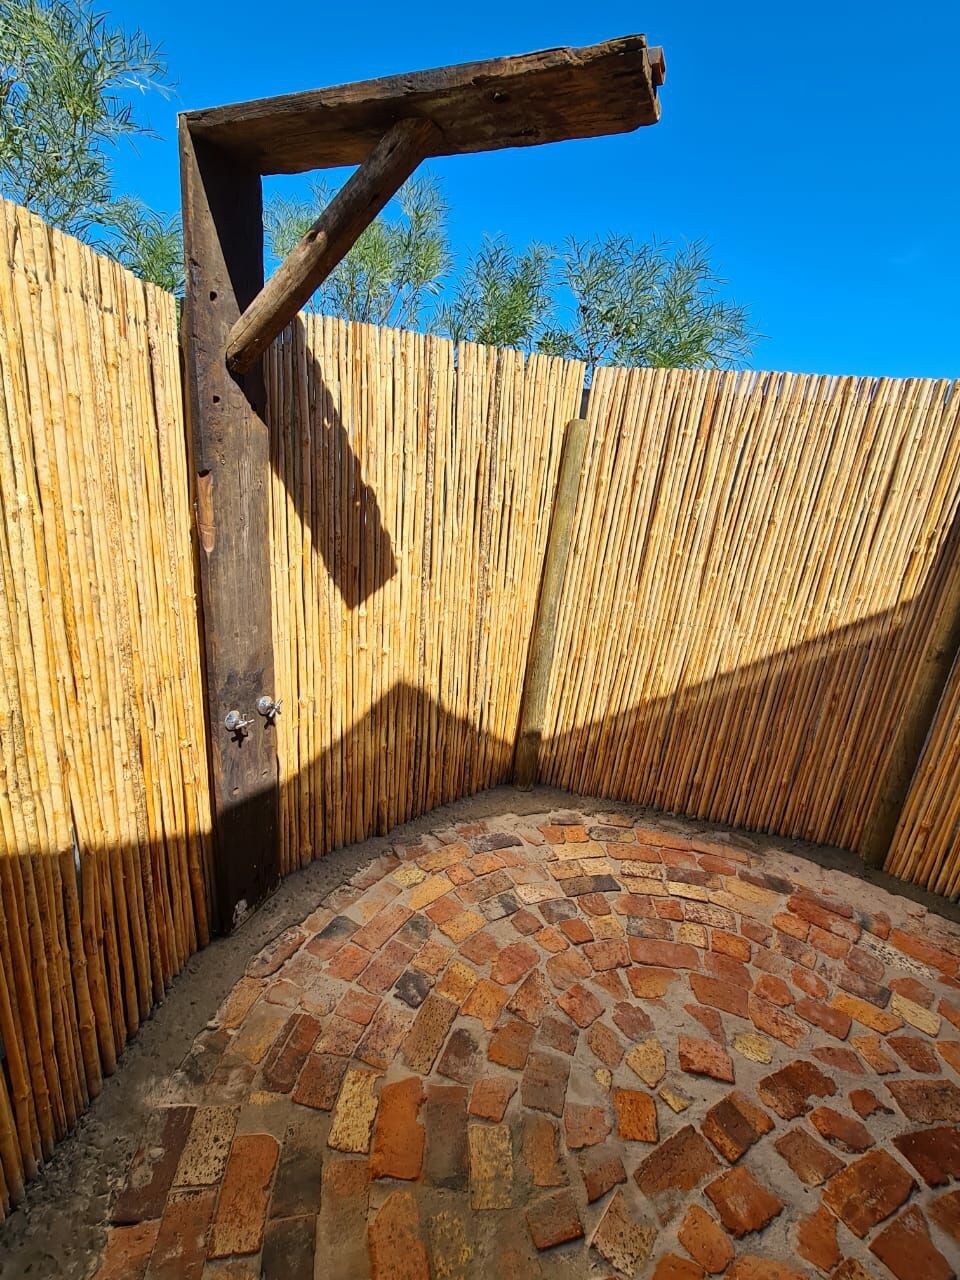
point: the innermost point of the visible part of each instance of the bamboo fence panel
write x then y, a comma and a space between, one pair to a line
755, 563
104, 807
926, 845
410, 507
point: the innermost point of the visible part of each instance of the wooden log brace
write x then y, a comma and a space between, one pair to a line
349, 213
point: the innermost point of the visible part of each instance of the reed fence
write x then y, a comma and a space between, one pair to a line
756, 562
104, 811
409, 519
926, 845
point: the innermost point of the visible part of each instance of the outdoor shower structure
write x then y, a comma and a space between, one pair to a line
387, 127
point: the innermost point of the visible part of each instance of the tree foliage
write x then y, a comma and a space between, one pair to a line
501, 296
627, 303
396, 267
148, 243
66, 81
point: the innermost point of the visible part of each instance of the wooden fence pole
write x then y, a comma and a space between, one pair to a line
933, 671
223, 245
536, 680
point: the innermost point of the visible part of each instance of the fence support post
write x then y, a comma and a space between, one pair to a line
930, 680
536, 679
223, 246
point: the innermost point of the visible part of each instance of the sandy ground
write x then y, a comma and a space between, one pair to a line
59, 1230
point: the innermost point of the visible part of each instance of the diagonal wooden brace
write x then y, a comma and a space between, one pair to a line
349, 213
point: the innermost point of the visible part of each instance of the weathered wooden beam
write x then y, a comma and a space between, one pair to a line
348, 214
547, 96
536, 680
929, 682
223, 244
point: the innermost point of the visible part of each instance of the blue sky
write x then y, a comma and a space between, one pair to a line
815, 148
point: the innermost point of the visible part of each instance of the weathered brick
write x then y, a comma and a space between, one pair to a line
422, 1042
355, 1110
667, 955
491, 1166
788, 1090
395, 1239
704, 1058
544, 1083
918, 1054
490, 1097
154, 1167
580, 1004
181, 1245
934, 1153
742, 1203
905, 1248
648, 1061
204, 1155
636, 1115
734, 1124
704, 1240
444, 1114
926, 951
601, 1170
462, 1058
484, 1003
241, 1212
531, 999
605, 1045
127, 1251
817, 1239
839, 1058
584, 1126
867, 1014
867, 1191
677, 1164
398, 1137
865, 1103
841, 1131
945, 1211
652, 983
342, 1220
554, 1220
810, 1160
834, 1021
382, 1038
719, 995
927, 1101
631, 1020
288, 1247
766, 1017
620, 1239
296, 1188
871, 1050
283, 1064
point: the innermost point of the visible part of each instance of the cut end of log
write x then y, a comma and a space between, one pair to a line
658, 66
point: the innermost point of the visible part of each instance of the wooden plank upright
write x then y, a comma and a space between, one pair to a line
223, 246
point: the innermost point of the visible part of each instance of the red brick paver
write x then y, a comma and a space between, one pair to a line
613, 1047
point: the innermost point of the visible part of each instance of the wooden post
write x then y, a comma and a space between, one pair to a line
223, 245
930, 680
347, 216
536, 680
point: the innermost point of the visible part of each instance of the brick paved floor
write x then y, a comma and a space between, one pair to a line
569, 1046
